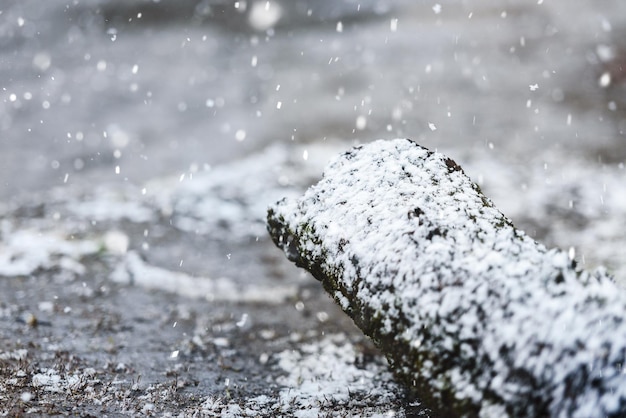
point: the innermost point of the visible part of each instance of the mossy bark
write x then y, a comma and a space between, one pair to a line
474, 316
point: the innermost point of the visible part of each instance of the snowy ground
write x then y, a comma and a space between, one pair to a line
138, 159
97, 320
92, 311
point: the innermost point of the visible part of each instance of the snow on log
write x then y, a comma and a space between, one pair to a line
474, 316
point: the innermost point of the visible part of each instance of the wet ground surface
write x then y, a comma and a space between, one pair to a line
141, 143
96, 348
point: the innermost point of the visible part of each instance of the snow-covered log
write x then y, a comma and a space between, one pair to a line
474, 316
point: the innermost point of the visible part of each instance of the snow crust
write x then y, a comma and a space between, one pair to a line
417, 250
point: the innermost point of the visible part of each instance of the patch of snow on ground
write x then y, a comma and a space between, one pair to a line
14, 355
24, 251
322, 378
133, 270
327, 373
50, 380
235, 196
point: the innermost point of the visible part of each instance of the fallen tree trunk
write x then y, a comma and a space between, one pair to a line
473, 315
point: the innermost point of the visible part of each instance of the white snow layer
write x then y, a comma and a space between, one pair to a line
315, 378
134, 270
24, 251
415, 248
321, 379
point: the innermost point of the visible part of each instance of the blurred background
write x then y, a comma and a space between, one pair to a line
128, 90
